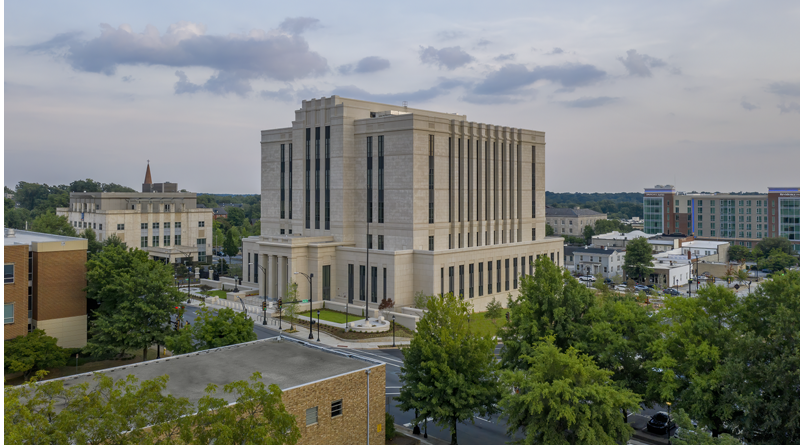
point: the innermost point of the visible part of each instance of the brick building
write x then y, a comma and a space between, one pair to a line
337, 398
44, 280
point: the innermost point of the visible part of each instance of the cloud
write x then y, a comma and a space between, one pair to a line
555, 51
590, 102
747, 105
789, 108
443, 87
784, 88
640, 64
505, 57
298, 25
369, 64
512, 77
483, 42
127, 79
238, 58
450, 35
451, 57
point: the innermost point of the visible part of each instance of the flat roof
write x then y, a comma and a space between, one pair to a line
287, 363
696, 243
27, 237
615, 235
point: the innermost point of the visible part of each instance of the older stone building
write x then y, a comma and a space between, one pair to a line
160, 220
44, 280
444, 204
571, 222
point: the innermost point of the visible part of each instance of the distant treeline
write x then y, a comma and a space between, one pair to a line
616, 205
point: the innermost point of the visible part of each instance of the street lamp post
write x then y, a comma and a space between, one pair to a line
669, 419
264, 305
317, 325
310, 303
393, 331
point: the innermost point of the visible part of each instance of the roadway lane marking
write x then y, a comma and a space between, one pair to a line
483, 419
382, 357
371, 358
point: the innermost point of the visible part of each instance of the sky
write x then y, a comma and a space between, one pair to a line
704, 95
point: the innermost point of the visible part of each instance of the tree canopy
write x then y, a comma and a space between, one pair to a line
51, 223
448, 373
136, 297
638, 263
213, 329
33, 352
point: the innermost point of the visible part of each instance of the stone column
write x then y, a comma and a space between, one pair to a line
270, 285
262, 278
281, 281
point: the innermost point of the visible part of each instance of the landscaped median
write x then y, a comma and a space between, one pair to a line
337, 329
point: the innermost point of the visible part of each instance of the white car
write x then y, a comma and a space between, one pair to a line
587, 278
621, 288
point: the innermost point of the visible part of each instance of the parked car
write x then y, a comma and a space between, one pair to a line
766, 271
588, 278
621, 287
608, 281
660, 423
671, 291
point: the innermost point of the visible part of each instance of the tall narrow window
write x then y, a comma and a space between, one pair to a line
478, 195
430, 179
459, 196
380, 179
283, 182
290, 181
489, 277
469, 182
374, 288
506, 270
480, 279
327, 178
515, 273
308, 178
380, 242
255, 268
450, 180
499, 277
503, 185
452, 270
533, 182
369, 178
441, 282
384, 283
326, 283
350, 282
461, 281
486, 165
471, 280
495, 194
316, 177
362, 280
430, 243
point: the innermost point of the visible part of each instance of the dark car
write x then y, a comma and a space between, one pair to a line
660, 423
671, 291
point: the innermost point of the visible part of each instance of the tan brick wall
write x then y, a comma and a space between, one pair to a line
59, 279
351, 427
17, 292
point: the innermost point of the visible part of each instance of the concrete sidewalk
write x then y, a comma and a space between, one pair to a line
325, 339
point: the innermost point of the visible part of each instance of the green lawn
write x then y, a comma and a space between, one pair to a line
482, 325
215, 293
333, 316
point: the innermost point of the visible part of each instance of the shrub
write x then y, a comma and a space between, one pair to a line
386, 304
390, 431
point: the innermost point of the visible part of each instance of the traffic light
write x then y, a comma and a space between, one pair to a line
280, 303
177, 324
263, 305
508, 317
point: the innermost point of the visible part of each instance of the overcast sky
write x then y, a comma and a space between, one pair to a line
701, 94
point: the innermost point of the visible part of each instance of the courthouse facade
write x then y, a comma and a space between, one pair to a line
444, 204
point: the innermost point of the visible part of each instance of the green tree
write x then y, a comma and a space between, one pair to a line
448, 372
94, 245
638, 259
289, 303
494, 310
548, 230
588, 233
113, 240
619, 340
33, 352
136, 297
213, 329
602, 226
235, 215
692, 435
219, 235
688, 356
28, 194
564, 398
738, 253
230, 247
17, 217
551, 303
767, 245
50, 223
761, 381
779, 260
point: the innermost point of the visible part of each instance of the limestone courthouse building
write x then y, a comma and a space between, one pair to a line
443, 204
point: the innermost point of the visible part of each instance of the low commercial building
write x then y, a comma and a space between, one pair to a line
572, 221
336, 397
160, 220
44, 280
617, 239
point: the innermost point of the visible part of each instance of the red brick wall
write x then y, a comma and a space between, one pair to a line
59, 279
17, 292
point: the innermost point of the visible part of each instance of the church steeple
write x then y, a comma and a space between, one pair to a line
147, 178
